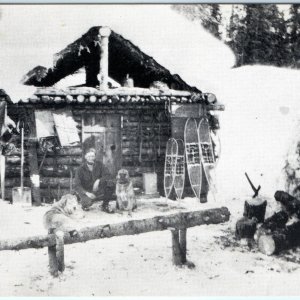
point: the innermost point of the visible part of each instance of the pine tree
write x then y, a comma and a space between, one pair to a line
280, 43
293, 24
261, 36
236, 33
212, 23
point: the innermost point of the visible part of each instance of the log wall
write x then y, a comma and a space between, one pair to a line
55, 173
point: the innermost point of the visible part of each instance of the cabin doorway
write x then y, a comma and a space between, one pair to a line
103, 132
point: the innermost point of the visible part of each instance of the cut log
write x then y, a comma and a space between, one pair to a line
178, 221
289, 203
14, 171
255, 208
279, 240
65, 151
54, 182
276, 221
49, 171
12, 182
245, 228
60, 160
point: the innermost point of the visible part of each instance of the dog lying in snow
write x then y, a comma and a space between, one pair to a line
124, 191
63, 215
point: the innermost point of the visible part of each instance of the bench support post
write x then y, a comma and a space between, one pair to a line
179, 248
53, 264
176, 249
56, 254
182, 242
60, 253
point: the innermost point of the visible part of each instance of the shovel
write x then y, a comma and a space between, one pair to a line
22, 195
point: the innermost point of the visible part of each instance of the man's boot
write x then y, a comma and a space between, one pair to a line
106, 208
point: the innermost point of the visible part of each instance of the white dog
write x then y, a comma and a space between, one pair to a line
63, 214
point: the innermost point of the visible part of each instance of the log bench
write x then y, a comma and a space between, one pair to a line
176, 223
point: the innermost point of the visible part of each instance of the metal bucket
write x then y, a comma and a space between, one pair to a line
21, 198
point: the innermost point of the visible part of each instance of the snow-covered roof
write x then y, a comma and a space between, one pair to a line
124, 58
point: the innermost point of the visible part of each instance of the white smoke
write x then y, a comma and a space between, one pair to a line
262, 103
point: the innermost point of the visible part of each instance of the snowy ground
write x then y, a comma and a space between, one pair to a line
142, 265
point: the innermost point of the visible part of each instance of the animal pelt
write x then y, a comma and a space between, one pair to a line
126, 199
64, 214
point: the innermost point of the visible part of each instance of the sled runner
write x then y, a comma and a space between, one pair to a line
179, 175
192, 152
207, 153
170, 166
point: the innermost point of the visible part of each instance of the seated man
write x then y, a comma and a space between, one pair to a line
90, 183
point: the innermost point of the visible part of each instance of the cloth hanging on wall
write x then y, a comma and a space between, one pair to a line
44, 123
58, 123
65, 127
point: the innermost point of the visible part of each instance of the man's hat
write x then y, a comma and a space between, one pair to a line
91, 150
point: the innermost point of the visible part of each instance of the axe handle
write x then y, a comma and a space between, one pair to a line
255, 190
252, 186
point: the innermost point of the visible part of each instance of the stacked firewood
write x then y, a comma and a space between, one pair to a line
279, 232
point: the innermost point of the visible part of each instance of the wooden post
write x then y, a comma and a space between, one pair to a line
182, 242
104, 33
53, 263
33, 162
176, 249
2, 174
280, 239
60, 253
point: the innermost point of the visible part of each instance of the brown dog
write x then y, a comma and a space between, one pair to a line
124, 191
63, 213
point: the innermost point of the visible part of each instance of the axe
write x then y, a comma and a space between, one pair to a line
255, 190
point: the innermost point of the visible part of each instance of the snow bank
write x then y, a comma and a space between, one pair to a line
258, 127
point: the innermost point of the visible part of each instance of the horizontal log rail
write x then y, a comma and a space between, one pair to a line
176, 223
158, 223
111, 92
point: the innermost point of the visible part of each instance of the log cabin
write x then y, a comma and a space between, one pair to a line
127, 108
